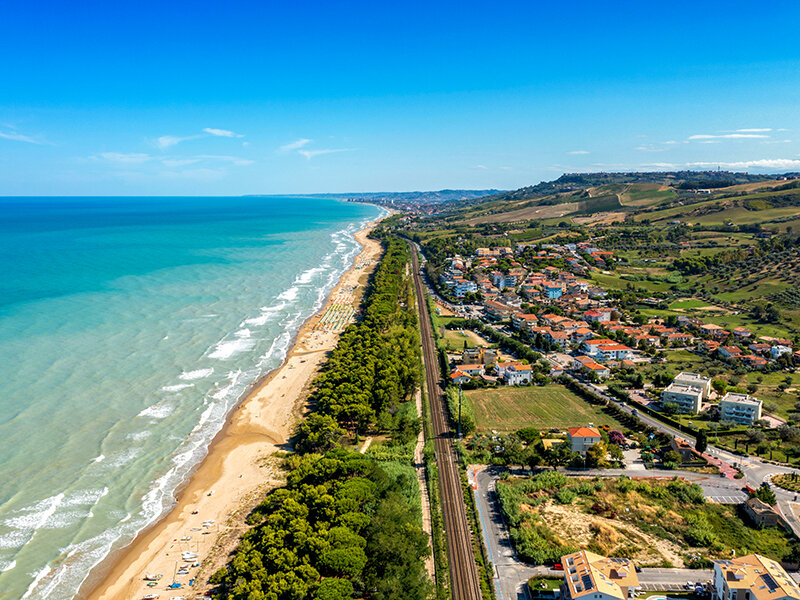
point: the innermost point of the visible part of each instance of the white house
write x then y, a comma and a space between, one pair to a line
739, 408
582, 438
695, 380
517, 374
778, 349
687, 397
614, 352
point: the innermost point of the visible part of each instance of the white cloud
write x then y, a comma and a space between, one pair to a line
649, 148
578, 152
295, 145
309, 154
778, 142
222, 133
179, 162
131, 158
167, 141
754, 130
482, 167
764, 163
659, 165
241, 162
730, 136
505, 168
18, 137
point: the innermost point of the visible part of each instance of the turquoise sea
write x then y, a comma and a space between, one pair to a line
129, 327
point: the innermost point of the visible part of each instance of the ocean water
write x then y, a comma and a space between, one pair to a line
129, 327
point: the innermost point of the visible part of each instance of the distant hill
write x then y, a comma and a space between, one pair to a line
570, 182
598, 198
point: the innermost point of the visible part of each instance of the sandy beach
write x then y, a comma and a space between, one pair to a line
208, 517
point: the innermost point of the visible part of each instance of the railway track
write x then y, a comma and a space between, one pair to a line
464, 584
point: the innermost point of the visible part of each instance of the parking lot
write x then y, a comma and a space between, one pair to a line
734, 498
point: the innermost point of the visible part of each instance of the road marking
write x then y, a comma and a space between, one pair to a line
733, 499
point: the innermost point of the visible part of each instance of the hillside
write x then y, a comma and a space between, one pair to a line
708, 198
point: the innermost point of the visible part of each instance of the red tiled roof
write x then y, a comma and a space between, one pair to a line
583, 432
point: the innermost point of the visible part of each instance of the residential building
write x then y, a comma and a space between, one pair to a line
524, 321
779, 349
754, 362
760, 348
582, 438
472, 370
763, 514
459, 377
552, 291
739, 408
688, 398
597, 315
729, 351
614, 352
497, 310
590, 576
589, 365
518, 374
592, 347
559, 338
753, 577
581, 334
484, 356
682, 447
695, 380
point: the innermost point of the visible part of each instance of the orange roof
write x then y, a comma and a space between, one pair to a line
595, 366
583, 432
614, 347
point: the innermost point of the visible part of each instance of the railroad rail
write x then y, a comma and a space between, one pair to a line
464, 584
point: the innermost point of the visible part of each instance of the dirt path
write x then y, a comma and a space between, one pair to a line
367, 444
419, 465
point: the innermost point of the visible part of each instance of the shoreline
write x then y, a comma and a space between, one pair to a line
237, 469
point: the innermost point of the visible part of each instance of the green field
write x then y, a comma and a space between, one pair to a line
511, 408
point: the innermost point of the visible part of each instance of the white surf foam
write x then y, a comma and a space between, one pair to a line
156, 411
196, 374
223, 392
177, 387
289, 294
41, 574
307, 276
229, 348
7, 566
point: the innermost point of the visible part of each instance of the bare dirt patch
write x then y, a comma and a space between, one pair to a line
614, 537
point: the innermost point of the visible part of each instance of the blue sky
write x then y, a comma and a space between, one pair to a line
147, 98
